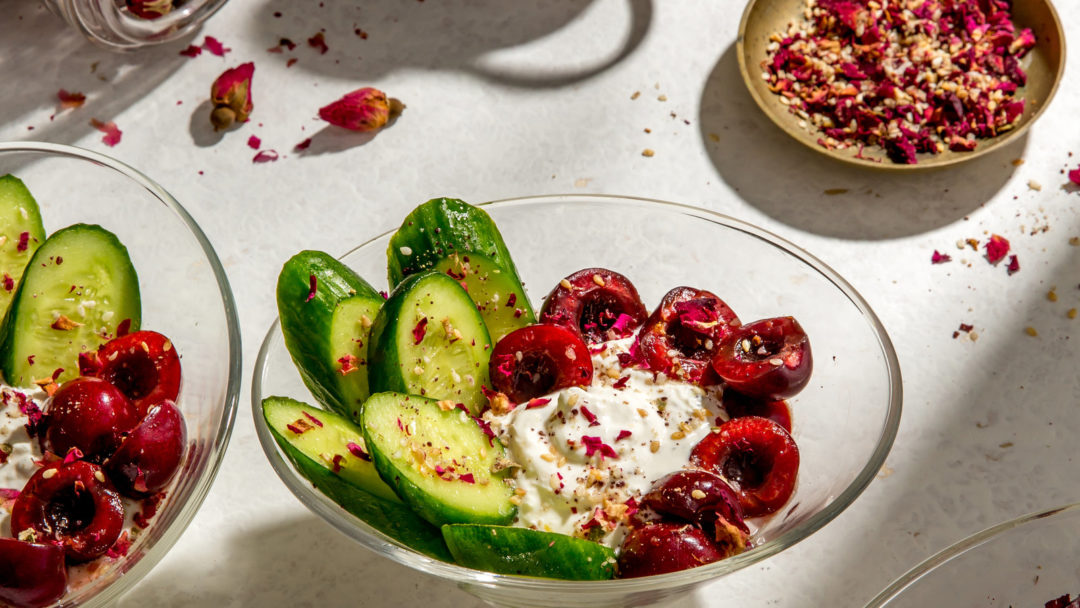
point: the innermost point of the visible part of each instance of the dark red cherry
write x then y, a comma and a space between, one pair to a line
143, 365
768, 359
701, 498
31, 574
758, 456
679, 337
89, 414
149, 457
72, 504
538, 359
665, 547
600, 303
738, 405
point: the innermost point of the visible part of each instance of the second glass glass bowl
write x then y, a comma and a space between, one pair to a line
844, 421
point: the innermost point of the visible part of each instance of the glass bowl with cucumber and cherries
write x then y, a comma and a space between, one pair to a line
119, 374
676, 396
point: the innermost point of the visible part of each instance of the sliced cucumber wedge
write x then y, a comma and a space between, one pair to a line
322, 455
21, 233
528, 552
429, 340
460, 240
326, 313
78, 288
437, 459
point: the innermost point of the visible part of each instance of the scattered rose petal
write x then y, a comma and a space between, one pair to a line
304, 145
996, 248
111, 131
313, 286
537, 402
214, 46
467, 478
266, 156
623, 434
318, 41
940, 258
282, 45
291, 62
313, 419
120, 547
192, 51
419, 330
1074, 176
362, 110
621, 383
348, 364
591, 417
594, 444
254, 142
358, 451
70, 99
1014, 265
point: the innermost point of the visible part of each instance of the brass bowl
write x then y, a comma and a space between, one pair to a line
1044, 64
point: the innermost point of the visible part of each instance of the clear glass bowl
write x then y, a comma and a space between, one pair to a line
844, 421
1024, 562
185, 295
108, 23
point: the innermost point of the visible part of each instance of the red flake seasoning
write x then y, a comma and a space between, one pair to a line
538, 402
336, 463
70, 99
30, 359
266, 156
419, 331
591, 417
304, 145
35, 419
318, 41
9, 283
313, 286
996, 248
621, 383
111, 131
124, 328
601, 348
594, 521
467, 478
356, 450
348, 364
313, 420
254, 142
1014, 265
511, 300
214, 46
621, 327
594, 444
120, 547
623, 434
24, 241
73, 455
191, 51
1074, 176
299, 426
631, 507
383, 293
940, 258
149, 510
486, 428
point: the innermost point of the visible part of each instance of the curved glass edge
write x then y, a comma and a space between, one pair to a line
216, 450
378, 542
104, 24
958, 549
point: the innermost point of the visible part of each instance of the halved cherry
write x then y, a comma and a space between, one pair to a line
679, 337
143, 365
600, 303
769, 359
31, 574
538, 359
701, 498
149, 457
72, 504
738, 405
89, 414
758, 456
665, 547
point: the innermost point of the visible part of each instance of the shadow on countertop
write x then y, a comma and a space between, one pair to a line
803, 189
63, 59
369, 40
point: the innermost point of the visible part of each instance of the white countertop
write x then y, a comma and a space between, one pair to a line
511, 99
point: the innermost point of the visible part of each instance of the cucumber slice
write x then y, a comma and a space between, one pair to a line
19, 215
326, 331
453, 237
437, 460
78, 288
356, 485
506, 550
429, 340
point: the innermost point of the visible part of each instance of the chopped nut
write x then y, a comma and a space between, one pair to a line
648, 153
1031, 331
654, 446
1052, 295
697, 494
1071, 314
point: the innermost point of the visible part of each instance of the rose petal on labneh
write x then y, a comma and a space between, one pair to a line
996, 248
366, 109
111, 131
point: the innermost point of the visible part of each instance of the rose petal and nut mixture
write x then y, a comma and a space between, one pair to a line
910, 76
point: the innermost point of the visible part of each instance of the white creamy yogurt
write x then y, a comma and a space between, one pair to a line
559, 488
22, 452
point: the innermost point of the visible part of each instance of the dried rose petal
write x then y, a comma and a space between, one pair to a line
362, 110
1014, 265
254, 142
318, 41
304, 145
591, 417
996, 248
623, 434
231, 96
419, 330
150, 9
112, 133
214, 46
594, 444
266, 156
70, 99
191, 51
1074, 176
313, 287
940, 258
357, 451
537, 402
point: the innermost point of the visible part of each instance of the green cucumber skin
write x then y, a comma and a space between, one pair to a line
388, 365
430, 507
522, 551
22, 335
389, 517
19, 213
442, 227
307, 327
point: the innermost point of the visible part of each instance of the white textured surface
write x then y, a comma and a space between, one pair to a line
510, 99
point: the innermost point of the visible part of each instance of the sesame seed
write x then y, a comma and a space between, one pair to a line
697, 494
405, 250
776, 362
565, 284
98, 475
49, 474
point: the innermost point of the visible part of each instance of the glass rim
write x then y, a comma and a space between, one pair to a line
376, 541
215, 450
